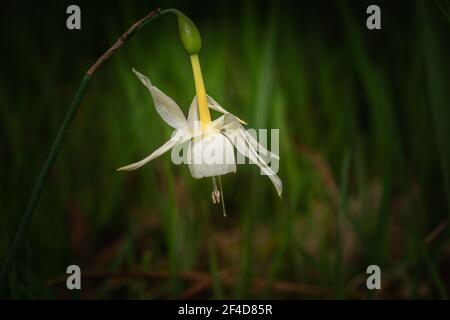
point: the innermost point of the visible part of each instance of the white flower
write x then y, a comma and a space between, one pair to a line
210, 150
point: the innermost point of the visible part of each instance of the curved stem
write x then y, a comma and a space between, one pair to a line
59, 140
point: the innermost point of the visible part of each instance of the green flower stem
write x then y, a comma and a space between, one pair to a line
57, 144
42, 180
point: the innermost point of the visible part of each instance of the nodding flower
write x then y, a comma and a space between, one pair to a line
211, 143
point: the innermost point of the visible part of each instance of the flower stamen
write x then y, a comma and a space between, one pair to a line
215, 195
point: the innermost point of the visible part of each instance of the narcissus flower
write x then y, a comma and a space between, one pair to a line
210, 150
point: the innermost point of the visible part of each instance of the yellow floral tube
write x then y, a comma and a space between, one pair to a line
203, 110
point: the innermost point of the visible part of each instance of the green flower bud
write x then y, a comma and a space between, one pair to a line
189, 34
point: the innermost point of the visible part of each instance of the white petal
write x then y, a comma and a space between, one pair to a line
215, 106
227, 121
243, 147
211, 155
178, 138
193, 119
166, 107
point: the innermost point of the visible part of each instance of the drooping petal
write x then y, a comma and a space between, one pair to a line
230, 122
244, 148
217, 107
165, 106
179, 137
193, 118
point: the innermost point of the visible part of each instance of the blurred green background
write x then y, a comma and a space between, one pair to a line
365, 159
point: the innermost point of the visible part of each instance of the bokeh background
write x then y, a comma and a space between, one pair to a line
365, 158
